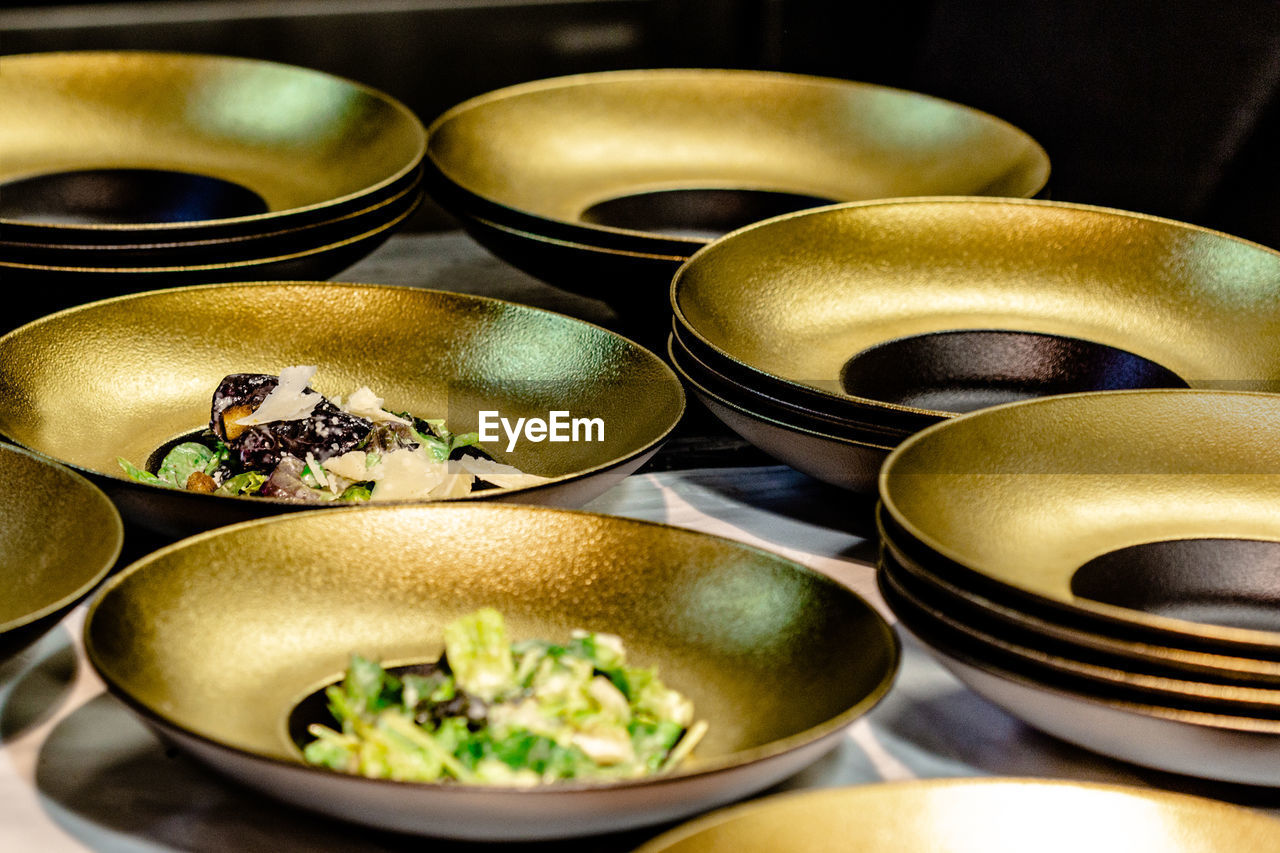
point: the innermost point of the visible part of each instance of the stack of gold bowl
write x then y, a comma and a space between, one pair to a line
605, 183
133, 170
1105, 567
827, 337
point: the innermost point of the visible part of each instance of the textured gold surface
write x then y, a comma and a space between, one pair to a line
122, 376
296, 137
977, 816
796, 297
1027, 493
554, 148
221, 634
59, 536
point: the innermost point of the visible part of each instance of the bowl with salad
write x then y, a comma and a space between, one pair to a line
488, 671
202, 406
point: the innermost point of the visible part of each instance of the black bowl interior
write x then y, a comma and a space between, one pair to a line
125, 196
1233, 582
702, 214
965, 370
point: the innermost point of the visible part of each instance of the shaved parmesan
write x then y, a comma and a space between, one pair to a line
457, 483
288, 401
365, 404
353, 465
407, 475
502, 476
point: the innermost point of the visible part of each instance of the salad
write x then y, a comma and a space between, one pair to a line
273, 436
491, 712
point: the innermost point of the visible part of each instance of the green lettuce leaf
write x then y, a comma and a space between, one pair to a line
479, 653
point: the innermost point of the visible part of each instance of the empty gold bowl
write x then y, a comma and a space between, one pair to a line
59, 536
1145, 515
216, 639
162, 147
650, 164
976, 816
121, 377
789, 302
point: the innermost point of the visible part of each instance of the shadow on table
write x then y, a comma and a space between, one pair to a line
35, 683
105, 778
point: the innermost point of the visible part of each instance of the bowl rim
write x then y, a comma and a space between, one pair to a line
1106, 677
1034, 624
839, 398
412, 119
373, 233
830, 727
672, 382
112, 532
1201, 720
768, 420
625, 75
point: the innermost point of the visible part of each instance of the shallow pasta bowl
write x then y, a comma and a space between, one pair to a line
59, 537
999, 815
138, 147
217, 639
1143, 515
123, 377
964, 293
658, 161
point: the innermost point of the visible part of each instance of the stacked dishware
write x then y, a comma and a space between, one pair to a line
1104, 567
135, 170
605, 183
829, 336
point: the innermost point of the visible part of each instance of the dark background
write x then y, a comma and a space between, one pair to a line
1171, 108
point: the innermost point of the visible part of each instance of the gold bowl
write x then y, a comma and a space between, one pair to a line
996, 815
124, 376
1143, 515
59, 537
786, 304
655, 162
216, 639
138, 147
